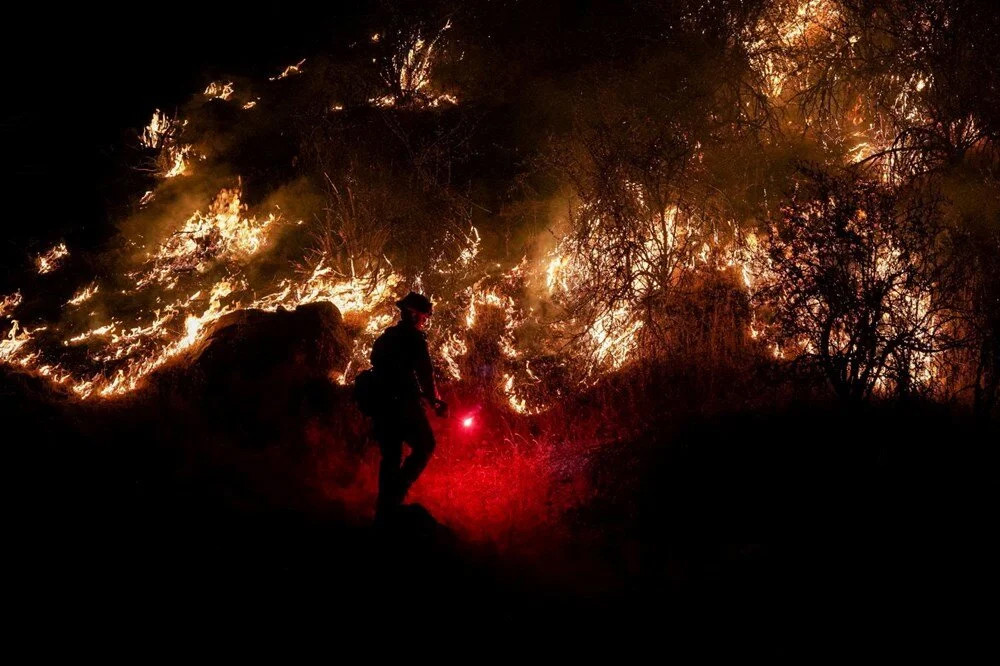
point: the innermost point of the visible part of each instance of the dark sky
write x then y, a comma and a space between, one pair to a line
81, 82
77, 81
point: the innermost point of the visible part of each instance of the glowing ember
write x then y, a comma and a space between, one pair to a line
385, 101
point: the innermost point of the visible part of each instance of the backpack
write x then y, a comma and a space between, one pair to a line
367, 392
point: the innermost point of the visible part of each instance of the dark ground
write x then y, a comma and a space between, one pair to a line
813, 531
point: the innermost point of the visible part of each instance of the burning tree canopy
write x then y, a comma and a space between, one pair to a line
579, 191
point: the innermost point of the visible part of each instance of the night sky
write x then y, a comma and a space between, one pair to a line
81, 83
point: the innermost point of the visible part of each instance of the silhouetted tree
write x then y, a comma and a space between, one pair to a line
856, 279
979, 294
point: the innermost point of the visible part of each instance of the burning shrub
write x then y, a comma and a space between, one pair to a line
354, 231
405, 67
671, 128
856, 279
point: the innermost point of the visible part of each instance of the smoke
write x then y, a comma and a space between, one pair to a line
567, 206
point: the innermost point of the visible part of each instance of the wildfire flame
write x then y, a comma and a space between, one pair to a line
411, 72
217, 90
51, 260
291, 70
162, 134
12, 344
178, 160
159, 127
204, 267
220, 234
9, 303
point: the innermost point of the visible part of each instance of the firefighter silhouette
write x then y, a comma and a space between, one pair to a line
402, 367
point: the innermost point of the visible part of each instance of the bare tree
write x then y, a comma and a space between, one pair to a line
979, 294
856, 278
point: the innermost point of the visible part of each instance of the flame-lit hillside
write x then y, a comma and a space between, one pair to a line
716, 315
646, 204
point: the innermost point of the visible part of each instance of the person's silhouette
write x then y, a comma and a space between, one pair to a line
402, 366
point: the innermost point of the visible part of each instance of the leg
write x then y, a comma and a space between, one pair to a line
420, 437
390, 483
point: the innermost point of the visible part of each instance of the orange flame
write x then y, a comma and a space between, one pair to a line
51, 260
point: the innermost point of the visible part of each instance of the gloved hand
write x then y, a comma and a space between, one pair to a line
440, 408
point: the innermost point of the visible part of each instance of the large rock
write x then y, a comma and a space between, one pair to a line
261, 374
308, 342
247, 423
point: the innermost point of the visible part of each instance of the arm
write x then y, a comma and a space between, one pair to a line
425, 373
425, 377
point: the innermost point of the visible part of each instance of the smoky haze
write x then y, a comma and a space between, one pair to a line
594, 173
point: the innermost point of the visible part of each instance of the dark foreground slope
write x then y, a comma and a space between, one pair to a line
200, 505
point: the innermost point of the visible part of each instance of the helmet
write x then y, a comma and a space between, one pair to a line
415, 301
